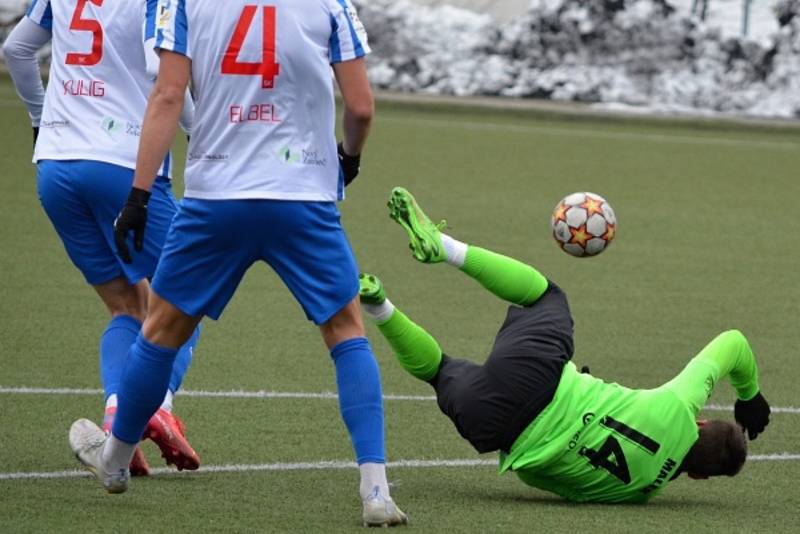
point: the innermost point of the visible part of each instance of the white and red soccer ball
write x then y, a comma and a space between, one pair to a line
583, 224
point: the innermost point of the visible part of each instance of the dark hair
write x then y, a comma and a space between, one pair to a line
721, 449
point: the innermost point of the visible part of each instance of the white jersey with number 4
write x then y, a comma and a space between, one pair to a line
98, 87
263, 87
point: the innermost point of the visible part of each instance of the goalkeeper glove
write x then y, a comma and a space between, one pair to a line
350, 164
132, 217
752, 415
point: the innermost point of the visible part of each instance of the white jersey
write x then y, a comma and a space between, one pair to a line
98, 88
263, 88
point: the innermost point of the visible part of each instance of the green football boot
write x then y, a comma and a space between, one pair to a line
370, 289
424, 236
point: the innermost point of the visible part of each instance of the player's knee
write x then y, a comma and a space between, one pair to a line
345, 324
124, 299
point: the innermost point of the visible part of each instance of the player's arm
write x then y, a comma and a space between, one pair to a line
730, 356
348, 48
158, 130
152, 62
19, 50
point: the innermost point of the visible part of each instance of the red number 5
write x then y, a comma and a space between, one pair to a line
87, 25
268, 69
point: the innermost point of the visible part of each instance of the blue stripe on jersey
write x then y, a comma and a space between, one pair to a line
43, 16
336, 48
358, 48
150, 24
181, 29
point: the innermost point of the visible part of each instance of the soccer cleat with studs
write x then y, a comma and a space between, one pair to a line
425, 237
168, 432
380, 511
87, 440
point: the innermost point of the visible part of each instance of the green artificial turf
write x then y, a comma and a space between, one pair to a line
708, 239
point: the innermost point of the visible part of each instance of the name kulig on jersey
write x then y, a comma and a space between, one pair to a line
98, 87
265, 109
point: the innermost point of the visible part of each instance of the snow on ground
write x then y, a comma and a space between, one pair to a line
640, 54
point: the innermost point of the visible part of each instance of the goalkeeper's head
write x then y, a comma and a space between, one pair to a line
721, 449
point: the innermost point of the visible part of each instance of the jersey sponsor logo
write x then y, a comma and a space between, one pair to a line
258, 113
111, 125
663, 475
55, 124
84, 88
209, 158
587, 418
291, 156
165, 16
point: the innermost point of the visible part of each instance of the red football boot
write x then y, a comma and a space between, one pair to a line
167, 431
139, 466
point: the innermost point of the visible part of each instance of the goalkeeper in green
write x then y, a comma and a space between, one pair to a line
558, 429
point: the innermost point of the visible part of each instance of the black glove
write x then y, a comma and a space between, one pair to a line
35, 135
585, 370
132, 217
752, 414
350, 165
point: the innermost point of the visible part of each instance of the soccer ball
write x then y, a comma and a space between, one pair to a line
583, 224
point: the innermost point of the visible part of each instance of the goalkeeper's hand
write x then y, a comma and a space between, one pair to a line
350, 164
752, 415
132, 217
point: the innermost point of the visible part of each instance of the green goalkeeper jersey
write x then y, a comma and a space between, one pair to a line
607, 443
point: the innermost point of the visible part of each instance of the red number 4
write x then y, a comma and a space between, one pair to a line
268, 69
87, 25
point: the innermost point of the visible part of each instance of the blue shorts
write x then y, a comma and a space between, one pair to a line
212, 243
82, 199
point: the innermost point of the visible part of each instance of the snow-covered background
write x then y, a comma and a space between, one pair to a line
648, 55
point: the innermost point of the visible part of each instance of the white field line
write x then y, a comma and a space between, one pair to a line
324, 395
599, 134
329, 464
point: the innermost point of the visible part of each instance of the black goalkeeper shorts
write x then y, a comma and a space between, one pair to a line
491, 404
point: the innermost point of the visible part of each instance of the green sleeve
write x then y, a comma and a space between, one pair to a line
728, 355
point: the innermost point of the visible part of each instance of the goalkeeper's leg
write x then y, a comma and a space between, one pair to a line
415, 349
509, 279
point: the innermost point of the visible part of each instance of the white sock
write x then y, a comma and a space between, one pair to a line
373, 477
117, 454
168, 398
455, 250
111, 401
380, 313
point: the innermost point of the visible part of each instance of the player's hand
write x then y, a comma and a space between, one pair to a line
132, 217
350, 165
752, 414
35, 135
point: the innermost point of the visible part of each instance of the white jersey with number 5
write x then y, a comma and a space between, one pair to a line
263, 87
98, 87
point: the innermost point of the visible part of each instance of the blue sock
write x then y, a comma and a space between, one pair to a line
360, 399
117, 339
142, 388
183, 360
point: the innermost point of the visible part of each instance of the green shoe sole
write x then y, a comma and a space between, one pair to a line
424, 237
370, 289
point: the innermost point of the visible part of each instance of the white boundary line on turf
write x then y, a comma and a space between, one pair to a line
330, 464
601, 134
325, 395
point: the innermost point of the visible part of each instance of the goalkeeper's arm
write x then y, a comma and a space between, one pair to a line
728, 355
